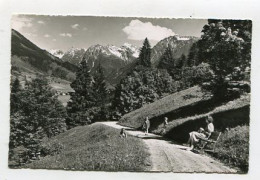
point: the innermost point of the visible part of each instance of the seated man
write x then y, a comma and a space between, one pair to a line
195, 136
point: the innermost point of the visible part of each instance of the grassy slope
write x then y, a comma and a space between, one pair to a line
163, 106
96, 147
232, 105
229, 150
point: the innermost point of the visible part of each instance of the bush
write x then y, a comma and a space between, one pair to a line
35, 114
51, 148
233, 147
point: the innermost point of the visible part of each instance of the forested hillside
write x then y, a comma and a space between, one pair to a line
29, 55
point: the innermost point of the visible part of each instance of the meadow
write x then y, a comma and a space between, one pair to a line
94, 148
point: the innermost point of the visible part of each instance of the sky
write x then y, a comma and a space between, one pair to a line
64, 32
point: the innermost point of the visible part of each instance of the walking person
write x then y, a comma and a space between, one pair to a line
165, 122
147, 125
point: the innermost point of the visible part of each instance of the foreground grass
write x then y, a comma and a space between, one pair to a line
233, 147
96, 148
163, 106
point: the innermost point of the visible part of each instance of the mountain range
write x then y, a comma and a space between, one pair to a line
116, 61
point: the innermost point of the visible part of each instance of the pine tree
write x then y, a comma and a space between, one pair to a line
167, 61
99, 87
16, 87
101, 95
181, 61
14, 98
145, 54
192, 59
40, 113
82, 99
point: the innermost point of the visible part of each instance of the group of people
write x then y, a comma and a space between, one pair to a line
146, 124
194, 138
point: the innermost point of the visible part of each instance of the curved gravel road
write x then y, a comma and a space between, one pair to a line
169, 157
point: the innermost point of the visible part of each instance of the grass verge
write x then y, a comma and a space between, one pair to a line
163, 106
233, 147
96, 148
244, 101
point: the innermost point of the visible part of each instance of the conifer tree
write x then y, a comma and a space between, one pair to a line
145, 54
167, 60
82, 99
14, 99
99, 87
100, 94
181, 61
40, 115
192, 59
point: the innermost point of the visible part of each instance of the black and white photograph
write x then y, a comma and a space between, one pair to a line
143, 90
130, 94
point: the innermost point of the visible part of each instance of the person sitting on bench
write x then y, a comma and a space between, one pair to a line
195, 136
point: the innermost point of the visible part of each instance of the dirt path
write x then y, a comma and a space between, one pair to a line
166, 156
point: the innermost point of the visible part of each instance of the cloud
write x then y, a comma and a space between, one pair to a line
75, 26
66, 35
54, 39
19, 22
138, 30
40, 22
84, 29
47, 35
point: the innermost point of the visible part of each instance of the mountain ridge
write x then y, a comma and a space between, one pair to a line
28, 53
180, 45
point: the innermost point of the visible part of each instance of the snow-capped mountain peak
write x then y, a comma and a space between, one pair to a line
57, 52
74, 55
124, 52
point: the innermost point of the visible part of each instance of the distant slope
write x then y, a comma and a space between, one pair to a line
41, 60
156, 110
115, 61
95, 147
178, 45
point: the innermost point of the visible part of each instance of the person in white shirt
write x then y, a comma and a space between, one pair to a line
201, 134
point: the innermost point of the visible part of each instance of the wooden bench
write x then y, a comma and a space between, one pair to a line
209, 143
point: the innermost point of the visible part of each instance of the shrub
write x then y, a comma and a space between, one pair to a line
233, 147
51, 148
